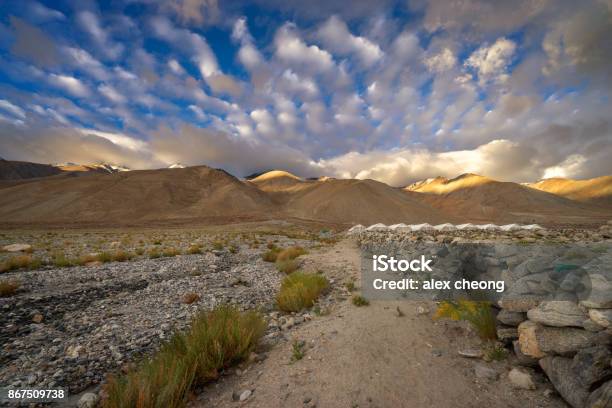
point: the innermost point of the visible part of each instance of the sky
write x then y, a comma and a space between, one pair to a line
396, 91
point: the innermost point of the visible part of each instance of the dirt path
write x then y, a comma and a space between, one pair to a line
371, 357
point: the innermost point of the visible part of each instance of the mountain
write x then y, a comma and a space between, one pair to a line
342, 201
481, 199
101, 196
176, 166
275, 181
359, 202
17, 170
442, 185
194, 194
101, 167
596, 190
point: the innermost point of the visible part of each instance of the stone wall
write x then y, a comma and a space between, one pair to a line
556, 311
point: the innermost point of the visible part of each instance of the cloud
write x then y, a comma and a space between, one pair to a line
491, 62
443, 61
42, 13
195, 12
189, 42
336, 37
32, 44
111, 93
570, 167
194, 146
90, 23
248, 54
14, 110
70, 84
502, 159
59, 144
83, 60
581, 42
480, 17
291, 49
118, 139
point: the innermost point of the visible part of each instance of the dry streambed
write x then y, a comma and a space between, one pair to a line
69, 327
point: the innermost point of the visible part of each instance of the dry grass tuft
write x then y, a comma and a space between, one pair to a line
189, 298
287, 266
216, 340
9, 288
20, 262
300, 290
290, 253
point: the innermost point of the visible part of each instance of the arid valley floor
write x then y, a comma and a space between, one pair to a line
76, 319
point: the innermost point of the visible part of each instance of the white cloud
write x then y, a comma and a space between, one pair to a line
111, 93
198, 112
119, 139
290, 48
572, 166
43, 13
503, 159
12, 109
443, 61
195, 11
69, 84
85, 61
200, 51
175, 67
90, 23
336, 37
491, 62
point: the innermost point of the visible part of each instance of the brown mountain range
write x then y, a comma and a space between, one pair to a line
203, 195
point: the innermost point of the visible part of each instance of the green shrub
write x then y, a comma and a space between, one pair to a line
216, 340
299, 291
479, 315
61, 261
297, 351
359, 301
287, 266
270, 256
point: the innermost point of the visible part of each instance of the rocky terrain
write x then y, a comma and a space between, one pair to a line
71, 326
556, 311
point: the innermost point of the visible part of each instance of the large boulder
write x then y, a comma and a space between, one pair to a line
592, 364
600, 276
601, 397
17, 248
602, 317
522, 358
558, 313
560, 373
511, 318
537, 340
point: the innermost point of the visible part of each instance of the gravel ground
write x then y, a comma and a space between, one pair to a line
69, 327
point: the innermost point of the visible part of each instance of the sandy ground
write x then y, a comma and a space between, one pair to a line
371, 357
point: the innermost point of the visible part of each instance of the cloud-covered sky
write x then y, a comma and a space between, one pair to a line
391, 90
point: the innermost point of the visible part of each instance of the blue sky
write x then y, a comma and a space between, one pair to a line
395, 91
